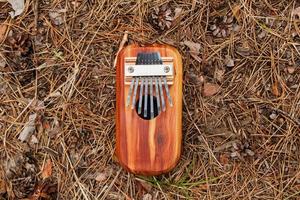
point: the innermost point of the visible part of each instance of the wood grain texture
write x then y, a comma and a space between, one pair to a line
149, 147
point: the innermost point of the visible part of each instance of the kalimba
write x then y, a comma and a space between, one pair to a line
149, 108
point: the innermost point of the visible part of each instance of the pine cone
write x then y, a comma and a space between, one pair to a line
21, 171
218, 4
223, 26
20, 44
20, 57
161, 18
241, 150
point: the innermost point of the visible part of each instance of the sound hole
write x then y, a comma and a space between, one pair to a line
148, 116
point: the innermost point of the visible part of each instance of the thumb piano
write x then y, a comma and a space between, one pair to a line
149, 108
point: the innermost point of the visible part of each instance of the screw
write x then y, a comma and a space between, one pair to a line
130, 69
166, 69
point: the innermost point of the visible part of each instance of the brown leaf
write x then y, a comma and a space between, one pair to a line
229, 62
296, 12
236, 11
275, 90
101, 177
178, 12
3, 29
224, 159
194, 49
29, 128
219, 74
291, 69
43, 191
18, 6
57, 16
147, 197
194, 79
203, 187
47, 171
3, 183
145, 185
2, 186
46, 125
210, 89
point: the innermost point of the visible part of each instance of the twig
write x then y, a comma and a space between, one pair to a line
124, 40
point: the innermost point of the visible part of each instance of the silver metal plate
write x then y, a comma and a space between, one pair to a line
148, 70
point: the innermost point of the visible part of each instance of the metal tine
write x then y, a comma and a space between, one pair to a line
149, 58
163, 106
167, 91
151, 98
157, 95
159, 58
141, 58
141, 96
146, 59
138, 59
146, 97
155, 58
134, 92
129, 93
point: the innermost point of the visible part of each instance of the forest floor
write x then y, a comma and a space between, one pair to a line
241, 105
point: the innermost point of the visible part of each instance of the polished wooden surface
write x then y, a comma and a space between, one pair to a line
149, 147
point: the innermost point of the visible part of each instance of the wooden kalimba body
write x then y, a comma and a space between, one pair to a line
149, 108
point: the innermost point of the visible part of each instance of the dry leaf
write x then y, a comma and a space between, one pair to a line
262, 34
76, 4
57, 16
229, 62
54, 129
296, 13
43, 191
194, 79
101, 177
194, 2
249, 152
225, 146
224, 159
210, 89
273, 116
219, 74
18, 6
3, 188
203, 187
34, 140
236, 11
147, 197
145, 185
291, 69
194, 49
3, 29
29, 128
2, 61
47, 170
244, 49
275, 90
235, 154
177, 12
